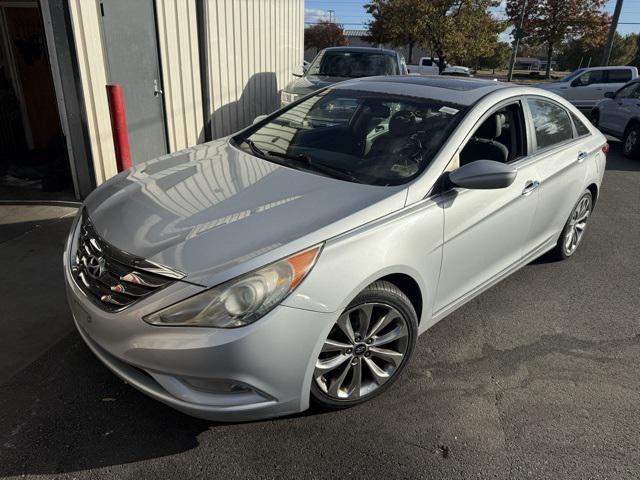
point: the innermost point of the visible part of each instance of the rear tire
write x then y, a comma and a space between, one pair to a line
573, 230
631, 142
367, 349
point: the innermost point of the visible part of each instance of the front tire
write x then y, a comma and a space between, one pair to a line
631, 142
573, 231
594, 117
367, 348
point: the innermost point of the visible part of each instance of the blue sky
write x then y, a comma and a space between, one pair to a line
353, 16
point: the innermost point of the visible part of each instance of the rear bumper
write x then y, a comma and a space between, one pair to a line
271, 361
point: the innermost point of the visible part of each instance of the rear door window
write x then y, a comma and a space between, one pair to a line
619, 75
551, 123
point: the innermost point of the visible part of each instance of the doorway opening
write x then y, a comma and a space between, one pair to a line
33, 153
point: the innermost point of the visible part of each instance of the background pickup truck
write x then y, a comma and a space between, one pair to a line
426, 66
587, 86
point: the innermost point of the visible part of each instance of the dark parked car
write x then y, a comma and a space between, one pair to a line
336, 64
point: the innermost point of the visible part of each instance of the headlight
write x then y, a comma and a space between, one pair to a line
288, 98
243, 300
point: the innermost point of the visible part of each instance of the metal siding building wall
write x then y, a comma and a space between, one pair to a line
180, 59
93, 77
253, 47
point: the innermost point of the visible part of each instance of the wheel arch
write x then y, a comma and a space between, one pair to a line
631, 123
409, 286
593, 188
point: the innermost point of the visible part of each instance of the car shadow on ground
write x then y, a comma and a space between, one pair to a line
80, 416
619, 162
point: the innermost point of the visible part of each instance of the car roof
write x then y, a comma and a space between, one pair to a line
611, 67
458, 90
360, 49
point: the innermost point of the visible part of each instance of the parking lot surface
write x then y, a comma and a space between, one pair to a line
536, 378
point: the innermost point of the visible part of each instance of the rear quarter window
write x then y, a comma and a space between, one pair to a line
581, 128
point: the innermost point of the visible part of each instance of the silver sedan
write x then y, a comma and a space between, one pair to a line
299, 260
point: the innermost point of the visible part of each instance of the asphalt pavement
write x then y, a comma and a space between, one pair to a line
536, 378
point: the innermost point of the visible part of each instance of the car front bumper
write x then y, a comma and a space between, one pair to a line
266, 367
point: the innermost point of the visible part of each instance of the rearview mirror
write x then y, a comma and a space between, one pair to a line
483, 175
610, 94
259, 118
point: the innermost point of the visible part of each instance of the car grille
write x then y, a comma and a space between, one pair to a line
113, 279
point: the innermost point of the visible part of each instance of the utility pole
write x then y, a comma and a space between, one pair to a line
612, 31
331, 12
518, 34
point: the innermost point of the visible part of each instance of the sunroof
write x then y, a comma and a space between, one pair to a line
449, 83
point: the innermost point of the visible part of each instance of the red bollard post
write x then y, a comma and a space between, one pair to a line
115, 96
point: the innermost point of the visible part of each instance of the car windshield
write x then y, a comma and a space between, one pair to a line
363, 137
572, 75
353, 64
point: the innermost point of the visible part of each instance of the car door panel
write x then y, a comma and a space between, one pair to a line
484, 234
560, 159
562, 176
628, 108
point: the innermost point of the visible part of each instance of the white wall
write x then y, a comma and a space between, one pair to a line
93, 77
253, 46
180, 59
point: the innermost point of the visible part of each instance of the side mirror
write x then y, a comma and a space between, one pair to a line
576, 83
483, 175
610, 94
258, 119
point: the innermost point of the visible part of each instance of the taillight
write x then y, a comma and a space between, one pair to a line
605, 148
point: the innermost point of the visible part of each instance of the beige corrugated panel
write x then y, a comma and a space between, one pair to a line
86, 30
179, 54
253, 47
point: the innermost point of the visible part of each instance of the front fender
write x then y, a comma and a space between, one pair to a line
407, 242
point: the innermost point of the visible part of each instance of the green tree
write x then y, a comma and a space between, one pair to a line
498, 58
636, 60
394, 22
579, 52
462, 30
550, 22
323, 35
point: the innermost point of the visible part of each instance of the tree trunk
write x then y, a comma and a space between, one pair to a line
441, 62
549, 54
410, 62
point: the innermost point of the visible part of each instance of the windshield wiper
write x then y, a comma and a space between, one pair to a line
329, 171
257, 151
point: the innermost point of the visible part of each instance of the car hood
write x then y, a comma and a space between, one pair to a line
311, 83
212, 207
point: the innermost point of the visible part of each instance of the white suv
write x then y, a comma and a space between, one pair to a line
586, 86
619, 116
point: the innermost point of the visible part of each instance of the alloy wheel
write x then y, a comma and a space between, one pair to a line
631, 141
577, 224
364, 349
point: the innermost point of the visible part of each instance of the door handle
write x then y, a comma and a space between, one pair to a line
530, 187
582, 156
156, 89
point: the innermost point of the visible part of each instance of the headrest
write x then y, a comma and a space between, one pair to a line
379, 111
402, 123
492, 126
